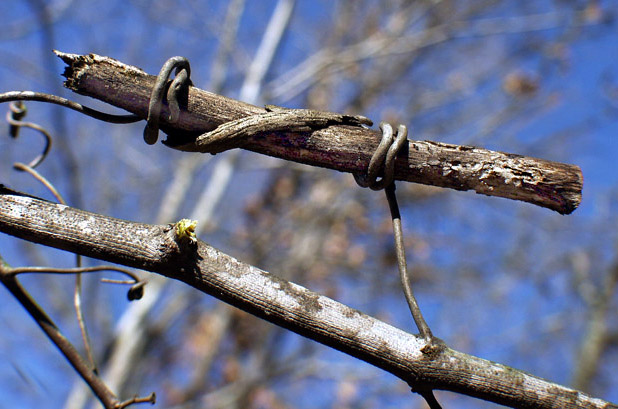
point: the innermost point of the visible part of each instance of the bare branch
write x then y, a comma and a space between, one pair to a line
544, 183
155, 248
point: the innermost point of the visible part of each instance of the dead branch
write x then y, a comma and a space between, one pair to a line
553, 185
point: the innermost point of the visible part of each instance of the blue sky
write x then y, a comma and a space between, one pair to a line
518, 252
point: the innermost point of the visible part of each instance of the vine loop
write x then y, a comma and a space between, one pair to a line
383, 160
180, 82
17, 111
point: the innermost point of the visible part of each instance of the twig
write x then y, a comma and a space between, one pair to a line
8, 277
54, 99
106, 396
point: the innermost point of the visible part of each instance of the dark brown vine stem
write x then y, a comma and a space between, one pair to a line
553, 185
158, 249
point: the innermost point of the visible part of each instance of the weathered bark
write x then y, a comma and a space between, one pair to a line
157, 249
553, 185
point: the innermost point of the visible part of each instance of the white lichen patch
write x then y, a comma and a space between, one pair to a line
468, 168
143, 232
85, 226
509, 171
15, 212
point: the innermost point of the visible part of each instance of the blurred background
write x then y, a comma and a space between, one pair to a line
500, 279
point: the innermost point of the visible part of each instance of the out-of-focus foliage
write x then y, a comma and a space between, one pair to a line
498, 279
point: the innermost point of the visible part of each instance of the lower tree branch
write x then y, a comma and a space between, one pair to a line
157, 249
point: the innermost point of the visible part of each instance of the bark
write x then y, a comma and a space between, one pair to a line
157, 248
553, 185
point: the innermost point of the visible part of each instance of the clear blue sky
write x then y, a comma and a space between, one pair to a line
574, 119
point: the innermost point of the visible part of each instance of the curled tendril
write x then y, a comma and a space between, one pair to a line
14, 117
18, 110
383, 158
182, 71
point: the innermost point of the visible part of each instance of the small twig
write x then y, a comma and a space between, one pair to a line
136, 282
79, 313
431, 400
234, 134
74, 270
54, 99
152, 399
107, 397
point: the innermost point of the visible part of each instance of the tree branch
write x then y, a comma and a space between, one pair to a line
553, 185
155, 248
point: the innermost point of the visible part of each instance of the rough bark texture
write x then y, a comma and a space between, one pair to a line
553, 185
157, 249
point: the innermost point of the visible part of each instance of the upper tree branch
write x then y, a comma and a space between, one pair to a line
157, 249
556, 186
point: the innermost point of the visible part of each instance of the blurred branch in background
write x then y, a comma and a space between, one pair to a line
598, 336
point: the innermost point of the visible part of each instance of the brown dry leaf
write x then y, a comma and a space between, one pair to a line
519, 84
